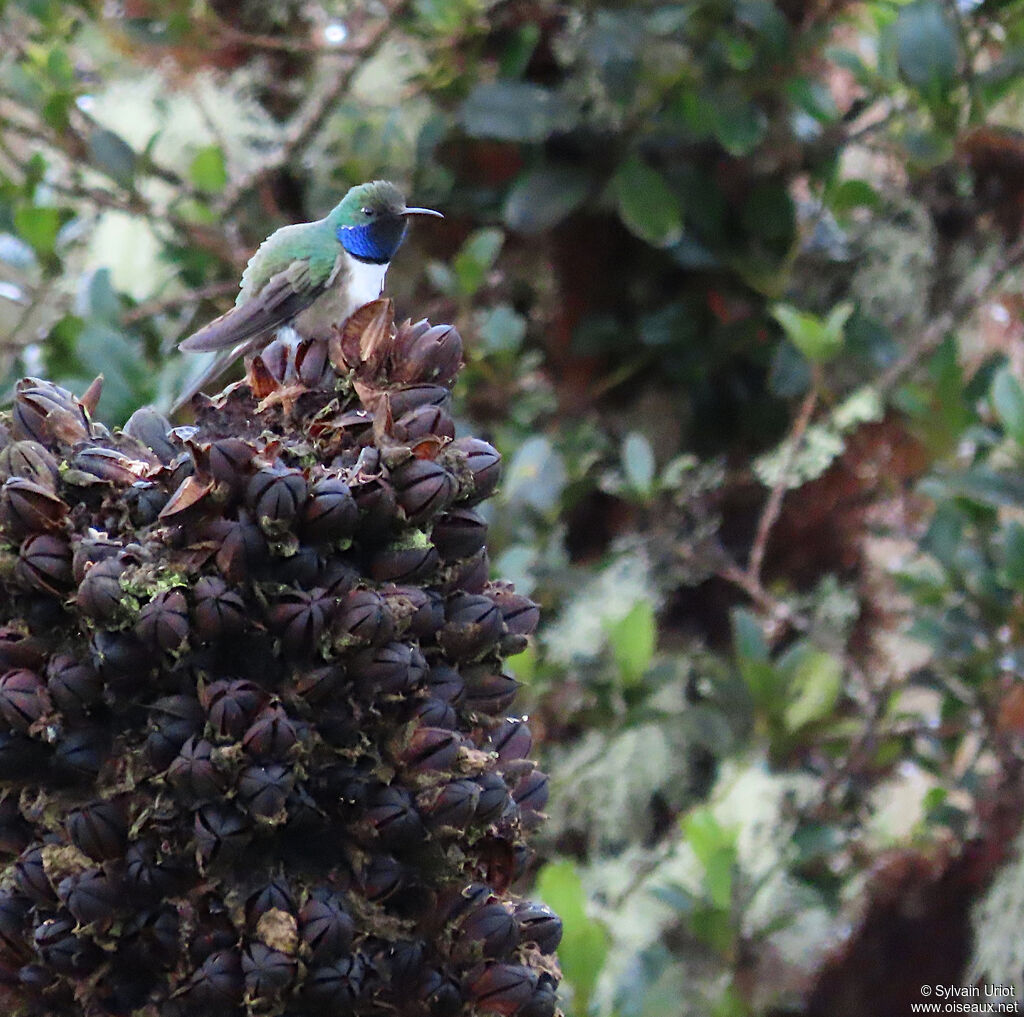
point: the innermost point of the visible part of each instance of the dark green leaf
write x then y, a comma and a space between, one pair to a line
584, 945
110, 153
1008, 402
1013, 555
38, 226
514, 111
926, 47
632, 640
543, 197
814, 688
647, 205
208, 170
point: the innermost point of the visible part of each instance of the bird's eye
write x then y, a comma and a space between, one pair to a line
368, 212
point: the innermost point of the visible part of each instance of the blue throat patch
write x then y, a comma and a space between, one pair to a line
374, 242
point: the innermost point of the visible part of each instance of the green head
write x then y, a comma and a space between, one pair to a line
371, 220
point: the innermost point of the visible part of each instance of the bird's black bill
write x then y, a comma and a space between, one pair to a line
422, 211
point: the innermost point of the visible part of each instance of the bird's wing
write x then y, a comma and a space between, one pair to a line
285, 294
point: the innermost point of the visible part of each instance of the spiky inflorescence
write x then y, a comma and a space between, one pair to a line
255, 754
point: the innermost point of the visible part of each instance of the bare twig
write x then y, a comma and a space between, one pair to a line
773, 506
962, 306
317, 110
151, 307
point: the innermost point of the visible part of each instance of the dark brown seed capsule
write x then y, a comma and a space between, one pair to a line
29, 507
431, 748
330, 512
302, 569
406, 398
145, 501
494, 799
19, 649
273, 896
487, 931
488, 692
325, 927
531, 792
31, 879
434, 355
375, 499
319, 684
193, 773
121, 659
104, 465
544, 1001
437, 713
271, 735
100, 829
243, 548
220, 612
100, 594
423, 488
60, 949
364, 617
469, 575
382, 877
153, 430
47, 413
276, 494
538, 924
512, 740
263, 789
299, 617
423, 422
221, 833
81, 754
520, 614
500, 988
404, 564
473, 625
480, 463
164, 623
91, 896
336, 988
459, 533
173, 720
23, 699
453, 805
445, 683
268, 972
313, 366
44, 564
31, 460
383, 670
91, 550
151, 873
231, 706
219, 981
440, 994
231, 463
393, 816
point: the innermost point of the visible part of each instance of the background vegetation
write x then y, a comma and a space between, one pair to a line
740, 288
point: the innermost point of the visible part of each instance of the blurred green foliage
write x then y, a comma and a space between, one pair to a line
738, 283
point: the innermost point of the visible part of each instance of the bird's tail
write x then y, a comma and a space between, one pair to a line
214, 369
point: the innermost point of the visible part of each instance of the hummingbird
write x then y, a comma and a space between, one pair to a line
309, 276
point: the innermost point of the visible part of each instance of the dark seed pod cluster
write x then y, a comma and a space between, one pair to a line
257, 750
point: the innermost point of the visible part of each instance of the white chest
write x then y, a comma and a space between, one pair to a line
366, 282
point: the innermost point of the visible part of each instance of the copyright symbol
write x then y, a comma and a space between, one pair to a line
926, 990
